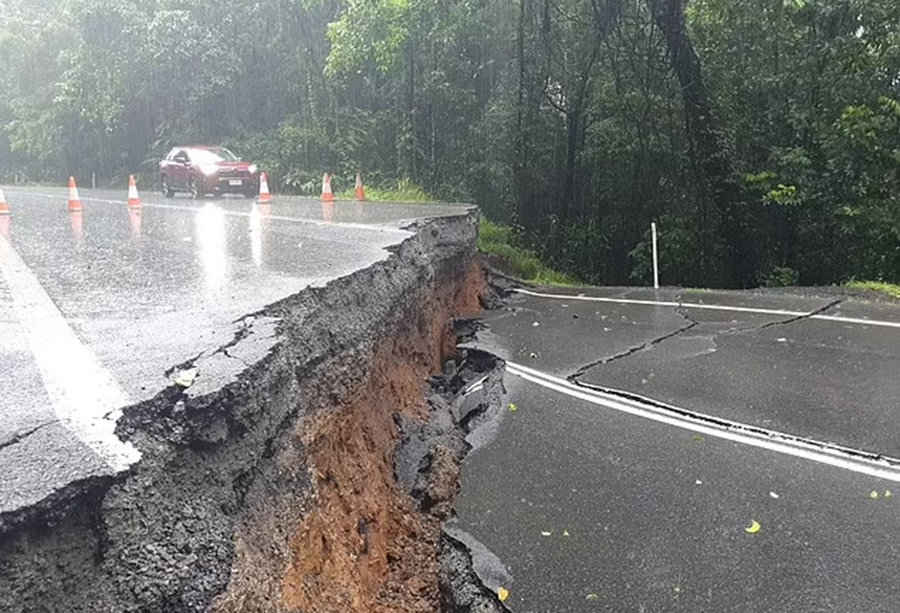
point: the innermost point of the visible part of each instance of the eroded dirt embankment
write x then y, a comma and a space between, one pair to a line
279, 492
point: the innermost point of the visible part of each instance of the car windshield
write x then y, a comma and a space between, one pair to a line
213, 156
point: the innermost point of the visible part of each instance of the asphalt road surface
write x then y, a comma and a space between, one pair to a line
96, 308
652, 430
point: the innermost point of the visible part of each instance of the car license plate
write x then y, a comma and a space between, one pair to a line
235, 182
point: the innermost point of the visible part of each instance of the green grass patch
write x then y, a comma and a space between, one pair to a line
889, 289
404, 191
500, 242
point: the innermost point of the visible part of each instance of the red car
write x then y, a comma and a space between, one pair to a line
207, 170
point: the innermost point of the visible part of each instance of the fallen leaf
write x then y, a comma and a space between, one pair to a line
698, 438
873, 495
535, 324
187, 377
888, 494
592, 596
513, 407
543, 533
774, 495
502, 594
698, 482
677, 589
753, 528
566, 533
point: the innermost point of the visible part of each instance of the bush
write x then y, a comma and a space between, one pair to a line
780, 276
502, 242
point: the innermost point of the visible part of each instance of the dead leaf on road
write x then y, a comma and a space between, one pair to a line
502, 594
753, 528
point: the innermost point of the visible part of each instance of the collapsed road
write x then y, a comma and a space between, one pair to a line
227, 407
222, 406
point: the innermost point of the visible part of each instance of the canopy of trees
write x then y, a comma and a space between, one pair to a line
763, 135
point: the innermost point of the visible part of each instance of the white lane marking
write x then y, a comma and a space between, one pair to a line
853, 320
714, 307
303, 220
881, 467
85, 396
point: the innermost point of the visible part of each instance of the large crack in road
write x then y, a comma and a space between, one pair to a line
306, 468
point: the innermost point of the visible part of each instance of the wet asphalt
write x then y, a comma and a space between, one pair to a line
592, 509
147, 290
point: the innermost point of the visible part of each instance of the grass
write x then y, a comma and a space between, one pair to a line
889, 289
500, 242
405, 191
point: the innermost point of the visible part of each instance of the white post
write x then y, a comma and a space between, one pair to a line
655, 258
93, 180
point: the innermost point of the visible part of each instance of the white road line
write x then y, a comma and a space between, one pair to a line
176, 207
852, 320
85, 396
822, 453
714, 307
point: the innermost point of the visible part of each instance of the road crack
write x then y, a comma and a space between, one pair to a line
692, 323
797, 318
21, 436
785, 322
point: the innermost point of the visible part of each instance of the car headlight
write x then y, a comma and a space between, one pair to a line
209, 169
253, 168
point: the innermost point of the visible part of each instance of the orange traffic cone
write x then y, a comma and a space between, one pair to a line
4, 207
264, 196
134, 201
327, 194
74, 199
360, 190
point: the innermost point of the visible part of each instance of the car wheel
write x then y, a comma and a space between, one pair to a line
196, 190
167, 190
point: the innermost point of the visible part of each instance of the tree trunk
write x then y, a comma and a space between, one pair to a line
573, 149
525, 214
727, 193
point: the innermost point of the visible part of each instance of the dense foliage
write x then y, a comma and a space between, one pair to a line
763, 136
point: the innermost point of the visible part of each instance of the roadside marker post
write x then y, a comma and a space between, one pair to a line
655, 257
